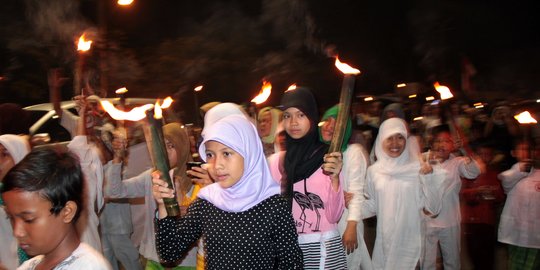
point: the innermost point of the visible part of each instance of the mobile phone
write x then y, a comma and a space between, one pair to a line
191, 164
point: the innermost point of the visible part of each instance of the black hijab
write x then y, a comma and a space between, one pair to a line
304, 156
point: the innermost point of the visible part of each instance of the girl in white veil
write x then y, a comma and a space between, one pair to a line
401, 191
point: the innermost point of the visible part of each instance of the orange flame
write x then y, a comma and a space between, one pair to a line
124, 2
166, 103
264, 94
120, 91
525, 118
444, 91
135, 114
158, 113
83, 45
291, 87
345, 68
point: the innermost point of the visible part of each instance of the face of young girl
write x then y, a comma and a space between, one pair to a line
33, 222
226, 165
296, 123
171, 153
6, 162
327, 129
394, 145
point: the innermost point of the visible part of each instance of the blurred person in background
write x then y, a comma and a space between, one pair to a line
519, 227
480, 200
13, 149
267, 123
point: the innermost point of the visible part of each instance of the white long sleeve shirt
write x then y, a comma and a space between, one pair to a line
455, 167
399, 204
520, 219
353, 175
93, 175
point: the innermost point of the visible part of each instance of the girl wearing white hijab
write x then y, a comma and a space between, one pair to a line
401, 190
242, 219
13, 149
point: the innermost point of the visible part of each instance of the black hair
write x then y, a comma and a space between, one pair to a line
440, 129
53, 173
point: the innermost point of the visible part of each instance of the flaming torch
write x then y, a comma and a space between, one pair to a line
153, 134
347, 89
264, 94
525, 119
82, 47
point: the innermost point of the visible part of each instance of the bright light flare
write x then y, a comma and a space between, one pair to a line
124, 2
121, 91
368, 99
444, 91
135, 114
291, 87
264, 94
401, 85
167, 103
430, 98
345, 68
198, 88
158, 112
525, 118
83, 45
412, 96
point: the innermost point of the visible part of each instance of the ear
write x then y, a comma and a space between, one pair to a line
69, 211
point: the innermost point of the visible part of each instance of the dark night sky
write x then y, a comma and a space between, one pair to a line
390, 41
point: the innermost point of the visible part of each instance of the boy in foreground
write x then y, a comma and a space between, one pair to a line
43, 199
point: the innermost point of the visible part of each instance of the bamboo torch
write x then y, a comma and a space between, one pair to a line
152, 116
347, 90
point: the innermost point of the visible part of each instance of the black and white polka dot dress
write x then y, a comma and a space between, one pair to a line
263, 237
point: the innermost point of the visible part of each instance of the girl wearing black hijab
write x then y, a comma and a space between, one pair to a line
310, 180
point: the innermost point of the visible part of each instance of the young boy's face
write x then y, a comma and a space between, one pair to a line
443, 145
37, 230
226, 165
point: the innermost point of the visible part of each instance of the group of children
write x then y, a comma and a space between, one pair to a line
301, 208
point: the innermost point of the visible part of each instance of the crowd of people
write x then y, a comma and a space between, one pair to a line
438, 186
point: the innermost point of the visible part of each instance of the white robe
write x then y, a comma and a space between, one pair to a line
398, 195
353, 175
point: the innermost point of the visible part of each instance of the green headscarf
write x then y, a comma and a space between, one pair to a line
333, 112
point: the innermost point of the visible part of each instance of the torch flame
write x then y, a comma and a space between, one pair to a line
525, 118
83, 45
158, 113
120, 91
345, 68
124, 2
264, 94
135, 114
444, 91
166, 103
291, 87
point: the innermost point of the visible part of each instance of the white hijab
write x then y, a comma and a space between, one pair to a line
256, 183
408, 161
17, 146
220, 111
